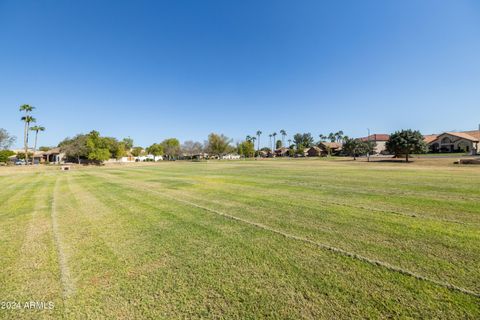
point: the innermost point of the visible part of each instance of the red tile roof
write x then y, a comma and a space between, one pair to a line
376, 137
430, 138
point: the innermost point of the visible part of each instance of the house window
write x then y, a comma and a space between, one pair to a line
446, 140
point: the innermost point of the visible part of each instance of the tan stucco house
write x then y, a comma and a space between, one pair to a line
465, 141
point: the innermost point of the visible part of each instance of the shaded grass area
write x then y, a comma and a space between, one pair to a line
132, 249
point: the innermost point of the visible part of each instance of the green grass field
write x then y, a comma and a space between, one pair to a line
286, 239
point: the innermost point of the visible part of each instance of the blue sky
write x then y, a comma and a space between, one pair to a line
157, 69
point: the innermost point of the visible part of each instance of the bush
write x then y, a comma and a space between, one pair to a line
5, 154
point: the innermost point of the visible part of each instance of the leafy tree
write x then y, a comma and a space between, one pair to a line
21, 155
322, 137
406, 142
5, 154
155, 149
304, 140
98, 147
246, 148
36, 129
28, 119
137, 151
128, 143
171, 147
218, 144
356, 147
44, 148
300, 150
6, 140
278, 144
75, 148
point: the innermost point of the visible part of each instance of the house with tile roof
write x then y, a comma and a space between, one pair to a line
380, 140
464, 141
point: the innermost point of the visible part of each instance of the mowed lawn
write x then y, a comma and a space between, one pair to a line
313, 239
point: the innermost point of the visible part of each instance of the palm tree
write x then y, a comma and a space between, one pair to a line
284, 134
289, 142
36, 129
270, 136
339, 136
332, 137
274, 146
248, 138
259, 133
27, 118
322, 137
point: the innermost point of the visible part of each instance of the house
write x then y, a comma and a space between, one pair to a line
316, 152
231, 156
330, 147
380, 140
282, 152
465, 141
262, 153
54, 156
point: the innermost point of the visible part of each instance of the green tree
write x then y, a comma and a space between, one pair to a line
98, 147
171, 147
274, 135
155, 149
6, 140
246, 148
137, 151
36, 129
5, 154
278, 144
406, 142
75, 148
128, 143
21, 155
28, 119
304, 140
356, 147
218, 144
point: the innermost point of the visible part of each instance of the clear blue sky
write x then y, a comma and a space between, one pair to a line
158, 69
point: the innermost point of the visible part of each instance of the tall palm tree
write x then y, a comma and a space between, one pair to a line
27, 118
270, 136
322, 137
331, 137
248, 138
284, 134
36, 129
274, 146
338, 136
289, 142
259, 133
